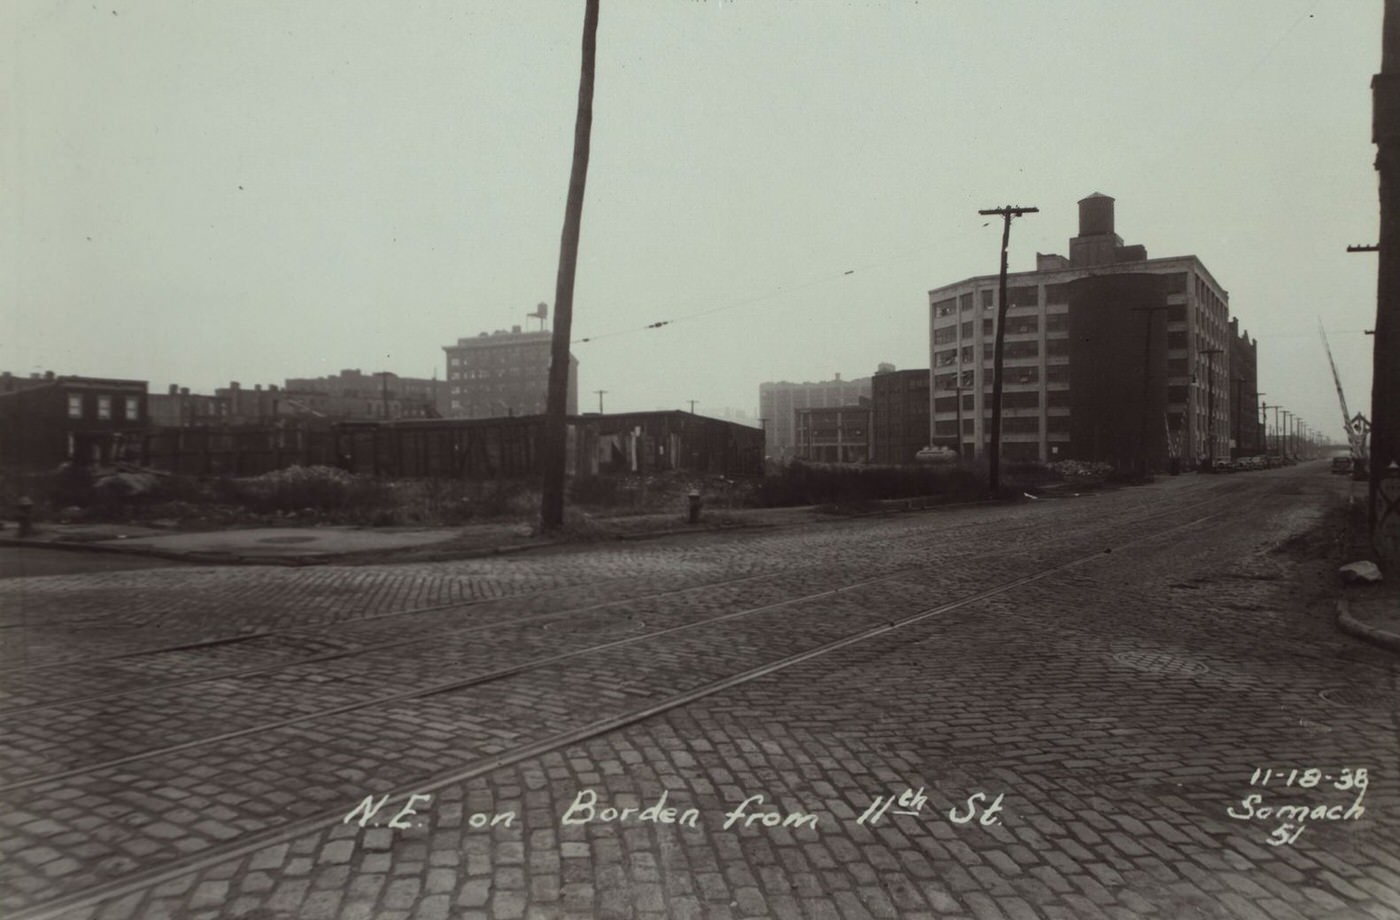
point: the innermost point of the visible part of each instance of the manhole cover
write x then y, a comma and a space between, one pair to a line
1354, 697
287, 540
1160, 663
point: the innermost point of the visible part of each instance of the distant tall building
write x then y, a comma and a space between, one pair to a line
503, 373
1109, 355
778, 404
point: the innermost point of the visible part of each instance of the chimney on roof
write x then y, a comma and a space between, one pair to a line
174, 389
184, 391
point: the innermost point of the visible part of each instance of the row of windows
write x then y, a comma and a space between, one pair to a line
131, 405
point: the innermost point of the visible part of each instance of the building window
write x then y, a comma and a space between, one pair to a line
987, 303
1176, 283
967, 378
945, 307
965, 302
1176, 340
1057, 397
967, 330
1016, 350
1023, 325
1023, 375
75, 405
967, 356
1057, 293
104, 407
945, 336
989, 326
133, 409
947, 358
1057, 322
1057, 373
1020, 399
1023, 296
1056, 346
1024, 424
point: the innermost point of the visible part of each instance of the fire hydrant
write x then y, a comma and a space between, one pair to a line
24, 514
694, 506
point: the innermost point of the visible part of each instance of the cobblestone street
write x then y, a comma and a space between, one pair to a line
1127, 704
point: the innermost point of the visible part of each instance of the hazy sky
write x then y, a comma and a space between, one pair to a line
250, 190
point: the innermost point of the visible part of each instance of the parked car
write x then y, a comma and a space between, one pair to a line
1341, 465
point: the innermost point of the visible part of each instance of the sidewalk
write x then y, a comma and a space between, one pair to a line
341, 544
319, 545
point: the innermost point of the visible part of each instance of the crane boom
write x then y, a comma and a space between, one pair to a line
1354, 427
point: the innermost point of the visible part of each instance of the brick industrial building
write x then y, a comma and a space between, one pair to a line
503, 374
899, 403
836, 434
1109, 355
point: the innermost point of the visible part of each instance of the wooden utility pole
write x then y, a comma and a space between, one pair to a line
994, 454
1210, 354
1146, 379
556, 406
1384, 469
600, 400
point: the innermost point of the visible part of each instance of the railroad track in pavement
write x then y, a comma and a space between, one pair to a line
825, 633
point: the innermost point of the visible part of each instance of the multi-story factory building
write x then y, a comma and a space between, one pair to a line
1108, 355
503, 374
778, 403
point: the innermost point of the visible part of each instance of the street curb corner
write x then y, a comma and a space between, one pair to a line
1354, 627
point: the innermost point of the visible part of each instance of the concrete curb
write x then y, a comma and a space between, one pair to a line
1352, 626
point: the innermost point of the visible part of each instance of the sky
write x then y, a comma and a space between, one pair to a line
196, 193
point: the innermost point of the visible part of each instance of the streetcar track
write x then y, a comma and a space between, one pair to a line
426, 637
437, 633
501, 673
250, 843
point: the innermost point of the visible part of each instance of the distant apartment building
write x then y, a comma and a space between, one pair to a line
779, 402
179, 408
834, 434
503, 374
352, 394
899, 405
1108, 355
45, 421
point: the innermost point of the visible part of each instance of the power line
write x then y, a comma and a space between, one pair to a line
781, 291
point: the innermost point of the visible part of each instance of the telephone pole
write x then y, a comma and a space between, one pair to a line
994, 454
1263, 423
1384, 472
554, 458
692, 405
1210, 354
600, 400
1146, 379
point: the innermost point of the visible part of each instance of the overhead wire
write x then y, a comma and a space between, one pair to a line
783, 290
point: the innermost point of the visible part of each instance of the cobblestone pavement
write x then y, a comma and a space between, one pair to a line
1085, 708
